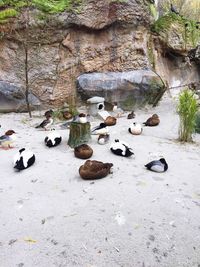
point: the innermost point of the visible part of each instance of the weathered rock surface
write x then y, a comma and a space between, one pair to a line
194, 55
12, 98
103, 36
129, 89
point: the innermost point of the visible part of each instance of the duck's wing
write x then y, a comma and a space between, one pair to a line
96, 128
155, 165
4, 138
43, 124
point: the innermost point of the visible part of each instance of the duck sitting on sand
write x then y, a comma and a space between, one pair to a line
157, 165
152, 121
7, 140
110, 121
83, 151
53, 139
103, 139
93, 169
23, 159
121, 148
135, 128
131, 115
67, 115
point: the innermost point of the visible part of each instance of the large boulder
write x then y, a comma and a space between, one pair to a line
130, 89
12, 98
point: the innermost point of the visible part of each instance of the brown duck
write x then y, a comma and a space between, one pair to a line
67, 115
131, 115
110, 121
83, 151
152, 121
93, 169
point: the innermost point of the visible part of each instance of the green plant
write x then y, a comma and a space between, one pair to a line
197, 122
187, 109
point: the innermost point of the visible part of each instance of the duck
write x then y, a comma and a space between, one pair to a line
93, 169
48, 113
46, 124
103, 139
110, 121
131, 115
101, 129
157, 165
152, 121
135, 128
53, 139
116, 110
23, 159
7, 140
121, 148
83, 151
67, 115
82, 118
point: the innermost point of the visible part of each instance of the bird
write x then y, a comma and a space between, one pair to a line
110, 121
117, 111
131, 115
83, 151
23, 159
121, 148
46, 124
103, 139
173, 9
135, 128
115, 107
100, 129
152, 121
93, 169
48, 113
53, 139
7, 140
157, 165
82, 118
67, 115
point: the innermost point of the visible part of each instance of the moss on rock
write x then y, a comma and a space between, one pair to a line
177, 32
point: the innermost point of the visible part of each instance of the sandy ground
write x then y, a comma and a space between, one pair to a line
50, 217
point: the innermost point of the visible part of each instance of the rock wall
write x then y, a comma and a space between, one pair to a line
103, 36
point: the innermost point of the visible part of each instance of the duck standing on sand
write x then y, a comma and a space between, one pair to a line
121, 148
48, 113
135, 128
101, 129
46, 124
93, 169
152, 121
7, 140
157, 165
23, 159
103, 139
131, 115
53, 139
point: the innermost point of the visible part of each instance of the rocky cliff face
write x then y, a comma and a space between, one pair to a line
103, 36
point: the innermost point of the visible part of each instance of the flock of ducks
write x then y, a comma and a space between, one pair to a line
91, 169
